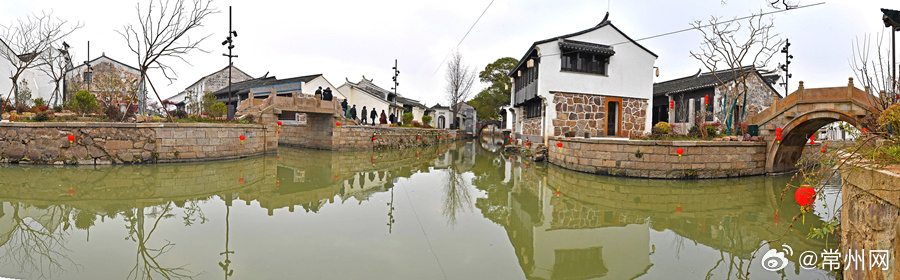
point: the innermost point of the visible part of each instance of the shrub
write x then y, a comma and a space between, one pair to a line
407, 118
180, 114
218, 109
85, 102
426, 120
891, 116
710, 130
662, 128
58, 108
39, 102
41, 117
416, 124
694, 131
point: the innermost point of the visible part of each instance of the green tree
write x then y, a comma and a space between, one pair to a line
24, 97
85, 102
208, 100
488, 102
218, 109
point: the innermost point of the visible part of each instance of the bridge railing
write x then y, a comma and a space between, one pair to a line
818, 95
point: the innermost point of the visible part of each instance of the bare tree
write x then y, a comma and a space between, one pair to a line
729, 46
27, 38
875, 72
56, 61
460, 79
162, 33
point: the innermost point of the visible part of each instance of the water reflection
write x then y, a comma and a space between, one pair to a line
458, 211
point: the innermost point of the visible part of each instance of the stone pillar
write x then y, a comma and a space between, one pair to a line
671, 112
800, 91
691, 113
850, 89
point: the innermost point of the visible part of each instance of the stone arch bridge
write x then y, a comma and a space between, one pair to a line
801, 114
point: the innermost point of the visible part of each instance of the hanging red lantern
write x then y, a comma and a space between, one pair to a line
373, 159
338, 124
778, 129
559, 144
278, 132
528, 144
279, 123
823, 148
778, 133
706, 100
71, 191
417, 154
417, 138
374, 138
778, 139
777, 218
679, 151
526, 165
678, 209
672, 105
558, 192
241, 180
864, 130
277, 183
71, 138
440, 137
335, 176
805, 195
242, 139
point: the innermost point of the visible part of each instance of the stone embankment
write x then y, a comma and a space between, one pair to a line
323, 132
870, 219
112, 143
659, 159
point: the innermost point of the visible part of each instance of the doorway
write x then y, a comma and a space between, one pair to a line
613, 116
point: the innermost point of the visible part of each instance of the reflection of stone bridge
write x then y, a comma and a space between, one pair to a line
802, 113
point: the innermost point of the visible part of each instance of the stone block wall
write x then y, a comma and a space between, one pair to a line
322, 132
659, 159
870, 219
108, 143
587, 113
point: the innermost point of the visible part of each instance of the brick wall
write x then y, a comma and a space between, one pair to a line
659, 159
108, 143
322, 132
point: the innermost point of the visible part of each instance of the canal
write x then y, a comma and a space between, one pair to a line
458, 211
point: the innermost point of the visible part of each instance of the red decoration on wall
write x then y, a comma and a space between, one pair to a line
778, 133
242, 139
241, 180
678, 209
338, 124
417, 138
71, 191
374, 138
864, 130
559, 144
528, 144
804, 196
706, 100
778, 129
672, 105
277, 183
778, 138
823, 148
279, 123
679, 151
71, 138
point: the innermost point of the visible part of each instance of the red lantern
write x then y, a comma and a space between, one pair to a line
804, 196
526, 165
71, 191
559, 144
678, 209
373, 159
679, 151
823, 148
71, 138
558, 193
279, 123
706, 100
278, 132
528, 144
778, 133
777, 218
778, 138
374, 138
417, 154
864, 130
417, 138
242, 139
778, 129
338, 124
241, 180
278, 183
672, 105
440, 137
335, 176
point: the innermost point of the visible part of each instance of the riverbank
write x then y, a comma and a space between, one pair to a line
130, 143
870, 217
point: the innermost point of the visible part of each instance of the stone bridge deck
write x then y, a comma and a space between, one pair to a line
301, 103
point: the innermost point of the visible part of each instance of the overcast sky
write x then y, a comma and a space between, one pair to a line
347, 39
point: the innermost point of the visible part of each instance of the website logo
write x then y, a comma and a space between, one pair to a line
774, 260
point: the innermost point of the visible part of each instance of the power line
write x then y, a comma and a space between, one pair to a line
463, 38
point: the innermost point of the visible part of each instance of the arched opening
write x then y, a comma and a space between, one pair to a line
783, 156
442, 122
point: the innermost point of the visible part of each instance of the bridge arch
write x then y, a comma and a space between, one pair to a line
783, 157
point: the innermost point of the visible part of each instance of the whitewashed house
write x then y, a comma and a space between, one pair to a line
597, 81
39, 82
366, 94
209, 83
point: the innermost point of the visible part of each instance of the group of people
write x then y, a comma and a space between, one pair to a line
364, 117
324, 94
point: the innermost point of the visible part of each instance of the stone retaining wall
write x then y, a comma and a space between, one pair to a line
322, 132
870, 219
109, 143
659, 159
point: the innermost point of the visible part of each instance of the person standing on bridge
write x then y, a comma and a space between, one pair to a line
353, 112
374, 115
319, 93
383, 118
364, 116
326, 95
344, 106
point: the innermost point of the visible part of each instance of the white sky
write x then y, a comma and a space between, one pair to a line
347, 38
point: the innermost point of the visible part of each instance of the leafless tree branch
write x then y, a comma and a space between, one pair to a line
460, 79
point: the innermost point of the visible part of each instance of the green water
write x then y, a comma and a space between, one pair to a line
459, 211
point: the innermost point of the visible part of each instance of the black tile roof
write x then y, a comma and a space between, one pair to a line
407, 101
602, 24
700, 81
891, 18
572, 45
245, 86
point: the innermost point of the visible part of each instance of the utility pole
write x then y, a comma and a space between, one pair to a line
228, 41
89, 71
396, 73
784, 67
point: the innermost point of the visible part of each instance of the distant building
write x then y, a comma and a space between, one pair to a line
41, 84
209, 83
689, 93
596, 81
442, 117
306, 84
366, 93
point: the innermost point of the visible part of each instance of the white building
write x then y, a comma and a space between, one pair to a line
366, 94
39, 82
596, 81
209, 83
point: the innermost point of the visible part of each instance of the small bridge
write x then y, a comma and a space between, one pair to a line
801, 114
287, 98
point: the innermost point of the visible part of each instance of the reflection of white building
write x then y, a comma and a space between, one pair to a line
363, 184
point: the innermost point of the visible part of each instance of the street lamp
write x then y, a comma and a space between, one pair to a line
228, 41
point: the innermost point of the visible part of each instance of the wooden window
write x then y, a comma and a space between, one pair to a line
584, 63
532, 110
